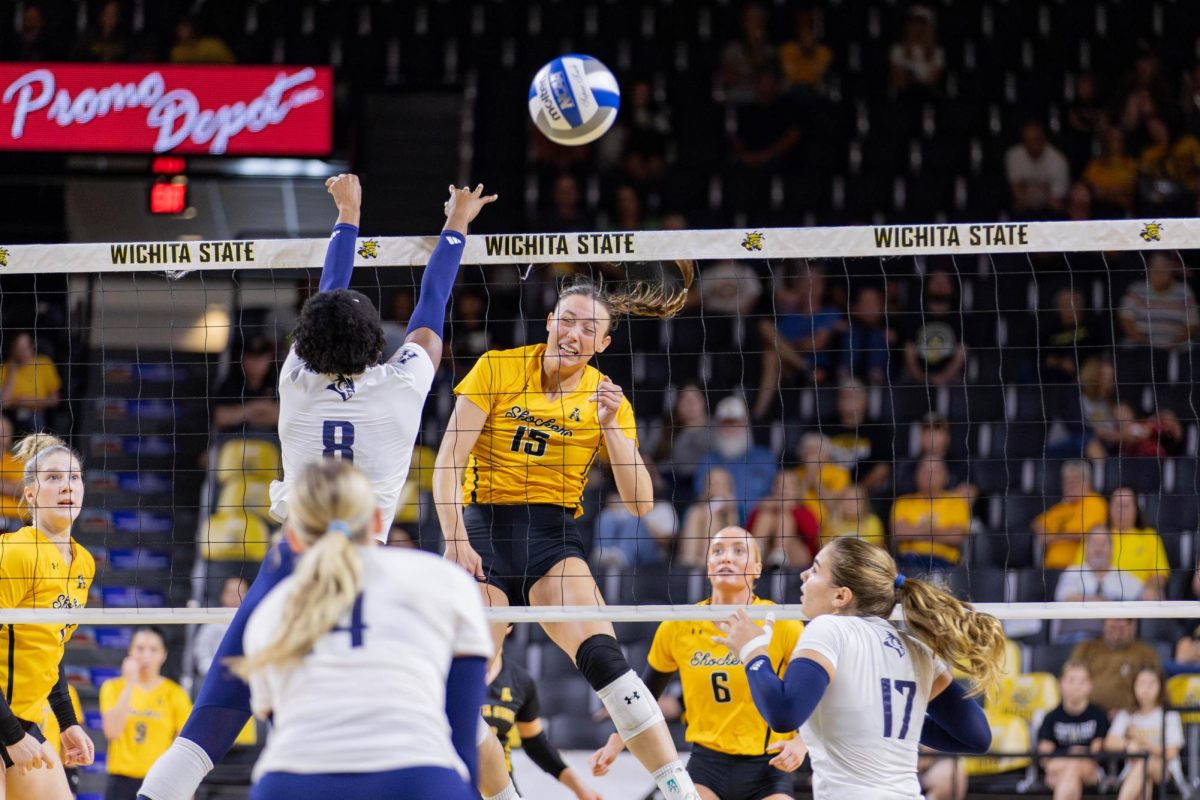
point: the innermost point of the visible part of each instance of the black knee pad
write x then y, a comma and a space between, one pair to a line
600, 660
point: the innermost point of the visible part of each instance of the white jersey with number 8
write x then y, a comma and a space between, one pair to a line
372, 419
863, 735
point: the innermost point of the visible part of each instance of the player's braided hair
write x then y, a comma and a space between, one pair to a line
955, 632
330, 509
641, 299
31, 451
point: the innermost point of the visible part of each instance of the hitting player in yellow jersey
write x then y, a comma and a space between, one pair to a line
143, 713
735, 756
527, 426
41, 566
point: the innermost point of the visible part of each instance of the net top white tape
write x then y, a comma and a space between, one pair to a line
1138, 609
535, 248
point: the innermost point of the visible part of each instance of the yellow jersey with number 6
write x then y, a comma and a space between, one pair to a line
34, 574
532, 449
719, 709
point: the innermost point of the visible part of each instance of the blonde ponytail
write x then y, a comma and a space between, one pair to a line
955, 632
30, 451
331, 507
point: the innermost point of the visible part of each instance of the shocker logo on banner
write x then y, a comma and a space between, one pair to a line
369, 248
1151, 232
753, 241
3, 257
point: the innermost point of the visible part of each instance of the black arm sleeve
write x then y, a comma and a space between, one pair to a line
60, 702
11, 729
540, 752
656, 681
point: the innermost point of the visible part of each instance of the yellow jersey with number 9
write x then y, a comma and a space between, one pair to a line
34, 574
155, 718
532, 449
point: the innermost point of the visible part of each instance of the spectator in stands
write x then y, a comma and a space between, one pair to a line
1097, 578
209, 635
1069, 335
850, 514
12, 473
1145, 726
716, 507
1145, 93
143, 712
107, 40
934, 348
470, 334
785, 528
566, 213
395, 327
1138, 549
1097, 426
865, 350
193, 46
917, 60
1112, 660
638, 141
1151, 437
747, 56
1189, 99
1112, 175
36, 42
1038, 174
1078, 207
752, 467
930, 526
625, 540
765, 142
1061, 527
865, 450
821, 480
1075, 727
627, 212
805, 59
1161, 310
1169, 170
29, 383
933, 441
1187, 649
798, 349
1087, 119
248, 399
681, 438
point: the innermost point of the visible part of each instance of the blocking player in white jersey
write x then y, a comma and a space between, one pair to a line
368, 661
863, 693
338, 401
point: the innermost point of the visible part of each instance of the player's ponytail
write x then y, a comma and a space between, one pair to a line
331, 507
642, 299
956, 633
31, 451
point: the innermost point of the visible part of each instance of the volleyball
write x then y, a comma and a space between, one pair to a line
574, 99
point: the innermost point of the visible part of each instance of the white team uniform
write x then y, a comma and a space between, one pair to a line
864, 733
372, 418
371, 696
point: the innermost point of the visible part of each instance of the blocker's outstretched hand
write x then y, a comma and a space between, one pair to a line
464, 206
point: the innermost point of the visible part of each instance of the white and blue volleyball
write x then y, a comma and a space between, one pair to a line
574, 99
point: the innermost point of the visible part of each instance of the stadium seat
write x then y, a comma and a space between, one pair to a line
1049, 657
1010, 734
250, 459
1140, 474
1036, 585
1028, 695
981, 584
234, 535
249, 495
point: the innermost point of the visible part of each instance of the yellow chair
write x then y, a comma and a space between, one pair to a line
235, 535
249, 459
1009, 735
1183, 691
1028, 694
419, 484
240, 494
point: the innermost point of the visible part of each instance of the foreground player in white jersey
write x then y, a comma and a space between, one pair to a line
338, 401
368, 661
864, 693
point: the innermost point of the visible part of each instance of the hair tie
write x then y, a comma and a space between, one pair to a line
339, 526
900, 579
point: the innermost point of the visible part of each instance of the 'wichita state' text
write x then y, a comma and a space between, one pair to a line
559, 244
992, 235
183, 253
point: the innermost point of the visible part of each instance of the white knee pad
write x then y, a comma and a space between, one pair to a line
632, 708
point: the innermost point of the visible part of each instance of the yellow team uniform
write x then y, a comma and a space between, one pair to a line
1071, 516
720, 710
832, 481
1139, 552
532, 449
49, 723
34, 575
155, 718
12, 469
869, 529
33, 381
938, 513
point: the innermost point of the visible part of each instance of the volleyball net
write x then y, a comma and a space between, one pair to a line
999, 404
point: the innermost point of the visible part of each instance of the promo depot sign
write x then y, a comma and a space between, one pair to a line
157, 108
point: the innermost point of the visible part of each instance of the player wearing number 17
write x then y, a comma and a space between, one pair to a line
527, 426
864, 693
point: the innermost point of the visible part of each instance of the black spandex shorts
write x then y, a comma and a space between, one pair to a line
519, 544
33, 730
738, 777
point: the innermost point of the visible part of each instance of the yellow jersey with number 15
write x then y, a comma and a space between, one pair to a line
34, 574
532, 449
